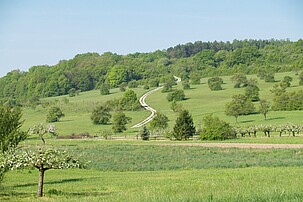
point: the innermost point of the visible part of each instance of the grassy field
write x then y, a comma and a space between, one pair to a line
155, 171
201, 101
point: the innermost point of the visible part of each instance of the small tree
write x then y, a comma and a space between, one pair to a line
104, 89
216, 129
195, 78
264, 107
130, 101
54, 114
239, 79
176, 95
184, 127
144, 133
160, 121
133, 84
287, 80
72, 92
215, 83
186, 85
167, 87
119, 122
252, 93
301, 79
176, 107
41, 130
154, 83
101, 115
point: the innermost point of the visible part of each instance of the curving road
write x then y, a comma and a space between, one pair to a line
152, 110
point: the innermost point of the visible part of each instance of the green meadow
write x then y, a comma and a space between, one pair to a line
126, 169
200, 102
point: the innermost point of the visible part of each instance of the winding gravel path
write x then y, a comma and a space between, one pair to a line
147, 107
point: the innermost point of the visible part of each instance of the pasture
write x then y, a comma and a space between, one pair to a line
200, 102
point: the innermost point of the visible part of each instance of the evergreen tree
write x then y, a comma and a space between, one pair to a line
144, 133
184, 127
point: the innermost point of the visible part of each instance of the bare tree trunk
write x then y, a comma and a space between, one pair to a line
40, 182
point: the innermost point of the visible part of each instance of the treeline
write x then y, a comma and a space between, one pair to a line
90, 70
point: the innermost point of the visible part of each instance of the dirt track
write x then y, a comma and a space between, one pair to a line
241, 145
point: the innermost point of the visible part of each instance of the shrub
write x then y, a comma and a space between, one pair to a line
216, 129
54, 114
176, 95
133, 84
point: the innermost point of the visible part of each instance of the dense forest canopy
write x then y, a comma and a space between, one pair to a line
90, 70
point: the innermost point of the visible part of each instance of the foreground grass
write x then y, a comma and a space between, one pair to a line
241, 184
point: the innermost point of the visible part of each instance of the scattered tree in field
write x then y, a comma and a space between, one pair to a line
104, 89
167, 87
154, 82
133, 84
186, 85
72, 92
264, 108
44, 159
119, 122
123, 86
160, 121
176, 107
239, 105
269, 77
54, 114
144, 133
10, 136
101, 115
176, 95
252, 93
41, 130
184, 127
130, 101
215, 83
239, 79
216, 129
146, 87
195, 78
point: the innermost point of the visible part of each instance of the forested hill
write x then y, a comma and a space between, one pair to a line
88, 71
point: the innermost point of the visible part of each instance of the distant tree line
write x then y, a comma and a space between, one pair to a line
190, 61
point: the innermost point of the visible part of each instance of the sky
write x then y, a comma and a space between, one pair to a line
40, 32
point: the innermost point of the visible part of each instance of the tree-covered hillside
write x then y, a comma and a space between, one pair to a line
90, 70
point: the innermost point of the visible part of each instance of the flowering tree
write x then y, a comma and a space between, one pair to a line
43, 160
41, 130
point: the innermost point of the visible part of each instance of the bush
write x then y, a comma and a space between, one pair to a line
133, 84
104, 90
54, 114
215, 83
176, 95
216, 129
72, 92
101, 115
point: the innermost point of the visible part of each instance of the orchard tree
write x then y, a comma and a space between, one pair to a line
184, 127
239, 105
101, 115
119, 122
41, 130
264, 108
54, 114
44, 159
215, 83
160, 121
176, 95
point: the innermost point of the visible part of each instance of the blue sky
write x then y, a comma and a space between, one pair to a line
37, 32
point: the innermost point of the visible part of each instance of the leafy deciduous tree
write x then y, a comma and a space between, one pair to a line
101, 115
119, 122
54, 114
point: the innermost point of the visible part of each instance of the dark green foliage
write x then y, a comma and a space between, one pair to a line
101, 115
239, 105
167, 87
301, 79
144, 133
184, 127
269, 77
186, 85
176, 95
288, 101
239, 79
123, 86
216, 129
195, 78
119, 122
133, 84
160, 121
104, 89
10, 124
252, 93
129, 101
215, 83
146, 87
154, 82
54, 114
287, 80
72, 92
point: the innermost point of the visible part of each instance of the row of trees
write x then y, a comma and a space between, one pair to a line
191, 61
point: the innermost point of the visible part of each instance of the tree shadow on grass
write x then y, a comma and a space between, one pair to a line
276, 118
247, 121
51, 182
